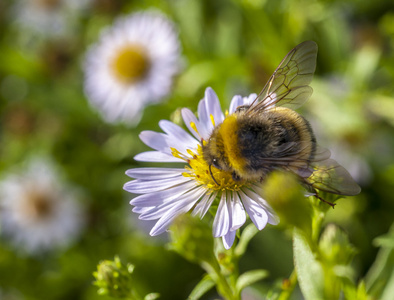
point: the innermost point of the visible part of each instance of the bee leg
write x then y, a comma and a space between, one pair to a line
325, 201
235, 176
315, 193
242, 108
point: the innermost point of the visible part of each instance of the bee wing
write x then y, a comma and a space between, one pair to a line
295, 157
289, 85
295, 151
320, 172
303, 165
331, 177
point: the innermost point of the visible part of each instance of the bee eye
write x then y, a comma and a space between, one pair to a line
215, 163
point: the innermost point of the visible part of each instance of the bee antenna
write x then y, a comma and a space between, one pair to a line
210, 172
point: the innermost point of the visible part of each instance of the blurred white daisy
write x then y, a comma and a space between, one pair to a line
165, 193
133, 64
38, 212
48, 17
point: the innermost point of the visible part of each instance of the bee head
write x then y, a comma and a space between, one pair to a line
210, 154
214, 155
211, 159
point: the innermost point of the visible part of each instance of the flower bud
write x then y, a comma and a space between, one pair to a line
192, 238
283, 192
113, 278
335, 247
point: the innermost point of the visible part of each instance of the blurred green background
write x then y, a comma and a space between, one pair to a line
232, 46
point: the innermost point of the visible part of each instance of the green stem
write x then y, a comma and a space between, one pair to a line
224, 268
223, 286
317, 221
316, 225
288, 286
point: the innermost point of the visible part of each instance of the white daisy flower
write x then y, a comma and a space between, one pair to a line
133, 64
37, 211
165, 193
48, 17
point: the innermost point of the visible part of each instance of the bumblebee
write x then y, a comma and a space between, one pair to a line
269, 135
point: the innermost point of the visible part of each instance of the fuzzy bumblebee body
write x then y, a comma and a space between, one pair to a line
266, 135
247, 145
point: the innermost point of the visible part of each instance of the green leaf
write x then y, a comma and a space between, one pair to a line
388, 292
384, 241
381, 274
352, 292
201, 288
250, 277
247, 234
309, 270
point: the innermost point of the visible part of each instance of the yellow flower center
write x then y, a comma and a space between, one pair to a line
198, 169
37, 205
130, 64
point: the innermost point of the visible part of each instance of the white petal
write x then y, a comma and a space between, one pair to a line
229, 208
180, 145
238, 211
158, 198
154, 173
159, 211
141, 210
204, 204
235, 102
203, 115
263, 203
257, 214
248, 100
213, 105
273, 219
178, 133
148, 200
140, 186
171, 214
156, 156
189, 117
177, 139
221, 223
155, 140
256, 196
205, 122
228, 239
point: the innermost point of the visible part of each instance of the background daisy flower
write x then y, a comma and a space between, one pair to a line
165, 193
39, 212
133, 64
49, 17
